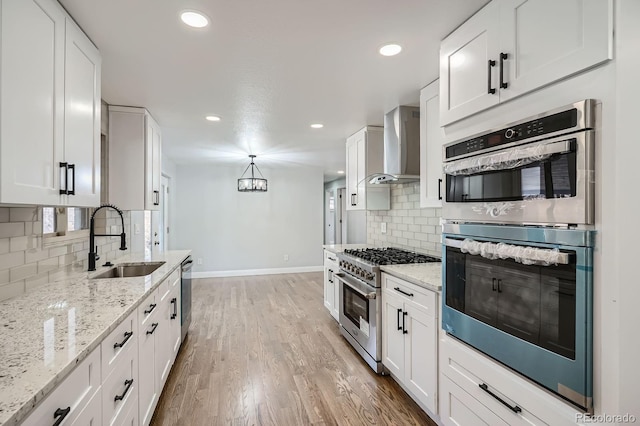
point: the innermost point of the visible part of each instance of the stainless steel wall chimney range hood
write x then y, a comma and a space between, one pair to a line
401, 147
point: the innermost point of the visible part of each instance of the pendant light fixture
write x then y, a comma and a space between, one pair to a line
252, 184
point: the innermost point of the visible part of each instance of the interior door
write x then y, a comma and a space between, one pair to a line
329, 217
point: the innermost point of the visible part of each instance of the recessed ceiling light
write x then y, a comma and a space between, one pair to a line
194, 19
212, 118
317, 126
340, 172
390, 49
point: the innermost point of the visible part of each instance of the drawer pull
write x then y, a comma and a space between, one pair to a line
485, 388
403, 292
152, 306
331, 258
153, 328
127, 336
60, 414
174, 301
128, 384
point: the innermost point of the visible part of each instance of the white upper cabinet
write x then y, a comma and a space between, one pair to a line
134, 159
431, 140
82, 114
365, 152
49, 107
511, 47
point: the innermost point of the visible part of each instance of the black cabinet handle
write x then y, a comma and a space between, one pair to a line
72, 191
175, 308
398, 319
403, 292
152, 306
485, 388
490, 89
153, 328
499, 286
60, 414
330, 274
493, 284
404, 329
64, 166
439, 189
128, 384
127, 336
156, 198
503, 84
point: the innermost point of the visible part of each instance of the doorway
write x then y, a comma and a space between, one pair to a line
330, 217
341, 217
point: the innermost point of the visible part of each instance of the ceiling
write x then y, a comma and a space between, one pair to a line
269, 69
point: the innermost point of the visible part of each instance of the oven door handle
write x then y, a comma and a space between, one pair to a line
371, 295
534, 255
507, 159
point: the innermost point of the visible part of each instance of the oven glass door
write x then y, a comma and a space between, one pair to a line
354, 305
531, 302
553, 177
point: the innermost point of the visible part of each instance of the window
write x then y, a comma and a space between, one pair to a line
64, 222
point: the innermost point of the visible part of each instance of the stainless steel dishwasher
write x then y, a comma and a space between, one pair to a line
185, 294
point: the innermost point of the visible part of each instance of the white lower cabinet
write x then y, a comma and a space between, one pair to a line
331, 287
120, 389
476, 390
91, 415
148, 392
409, 338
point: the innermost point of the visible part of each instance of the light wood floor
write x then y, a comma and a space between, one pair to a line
264, 351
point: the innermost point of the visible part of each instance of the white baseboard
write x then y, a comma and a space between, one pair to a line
249, 272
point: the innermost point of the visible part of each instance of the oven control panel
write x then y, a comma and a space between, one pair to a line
357, 271
528, 129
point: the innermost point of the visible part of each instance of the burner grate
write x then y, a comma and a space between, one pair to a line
390, 256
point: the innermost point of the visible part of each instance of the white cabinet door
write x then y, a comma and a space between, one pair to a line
82, 117
431, 140
421, 355
152, 164
361, 149
148, 392
91, 414
329, 289
31, 101
174, 321
335, 312
352, 173
546, 40
164, 348
458, 408
468, 71
392, 334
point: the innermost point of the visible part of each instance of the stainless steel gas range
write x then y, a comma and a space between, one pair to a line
360, 297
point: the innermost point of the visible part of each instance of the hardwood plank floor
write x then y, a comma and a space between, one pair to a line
263, 350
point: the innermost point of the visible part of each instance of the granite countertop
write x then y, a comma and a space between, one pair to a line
46, 332
427, 275
339, 248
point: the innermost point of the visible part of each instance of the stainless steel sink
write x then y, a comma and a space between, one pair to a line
129, 270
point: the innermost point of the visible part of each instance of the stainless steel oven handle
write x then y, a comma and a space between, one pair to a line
562, 258
361, 293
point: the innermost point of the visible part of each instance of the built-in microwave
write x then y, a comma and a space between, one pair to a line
539, 170
523, 296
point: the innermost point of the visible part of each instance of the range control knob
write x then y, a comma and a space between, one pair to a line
509, 133
370, 277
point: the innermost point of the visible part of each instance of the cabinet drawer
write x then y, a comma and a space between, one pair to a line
423, 298
330, 257
148, 309
91, 415
469, 369
120, 389
174, 278
121, 339
73, 393
164, 289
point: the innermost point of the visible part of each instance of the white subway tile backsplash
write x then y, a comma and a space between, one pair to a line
23, 271
9, 229
26, 264
408, 226
24, 214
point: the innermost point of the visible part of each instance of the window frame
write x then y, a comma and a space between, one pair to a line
61, 237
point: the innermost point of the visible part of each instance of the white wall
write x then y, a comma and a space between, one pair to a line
249, 232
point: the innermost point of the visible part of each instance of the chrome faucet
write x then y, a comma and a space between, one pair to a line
93, 250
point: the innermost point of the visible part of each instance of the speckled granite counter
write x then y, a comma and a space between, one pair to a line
339, 248
427, 275
49, 330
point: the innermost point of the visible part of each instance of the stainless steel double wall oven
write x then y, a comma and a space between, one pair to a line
518, 247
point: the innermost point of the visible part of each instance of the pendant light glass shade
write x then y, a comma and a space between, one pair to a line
252, 184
